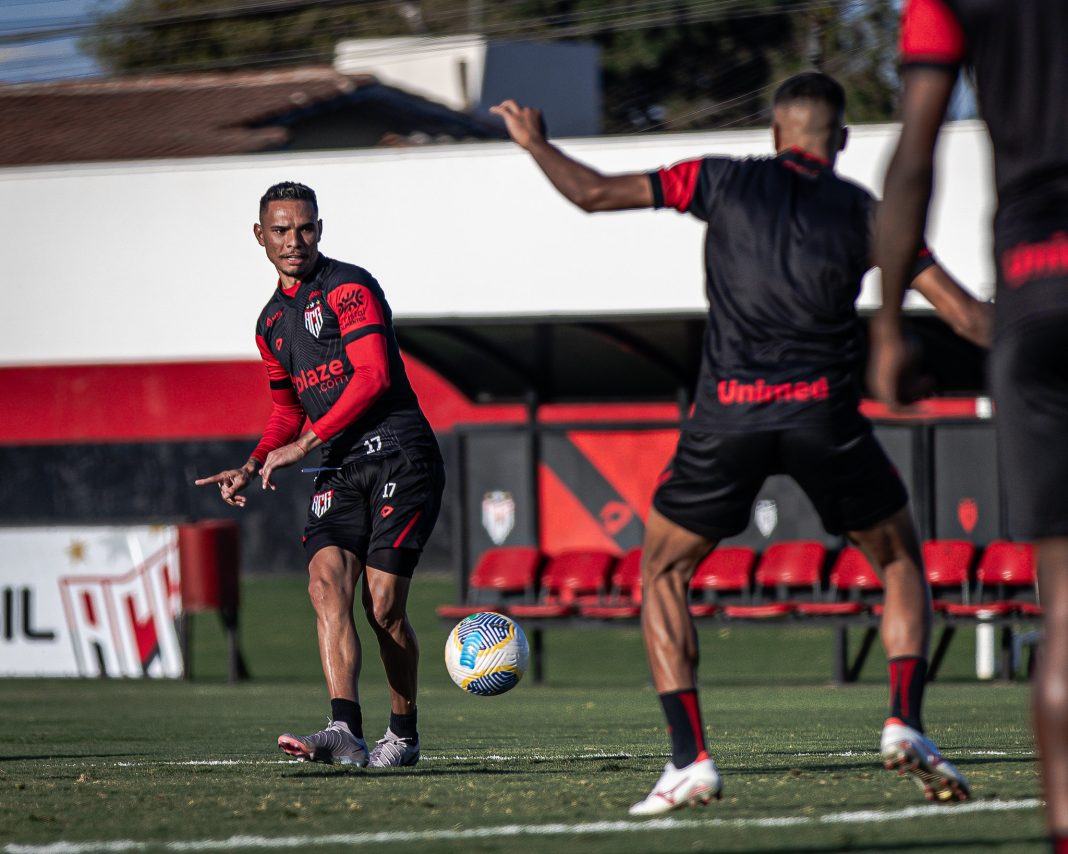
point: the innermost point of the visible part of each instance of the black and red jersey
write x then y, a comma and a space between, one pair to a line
787, 245
1018, 50
306, 337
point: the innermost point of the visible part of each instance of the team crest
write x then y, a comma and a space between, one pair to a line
498, 515
321, 502
313, 316
766, 517
968, 514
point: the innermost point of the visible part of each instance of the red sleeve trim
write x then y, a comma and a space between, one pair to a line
275, 372
370, 377
678, 184
355, 306
930, 33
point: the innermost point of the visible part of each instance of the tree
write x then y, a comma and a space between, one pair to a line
670, 64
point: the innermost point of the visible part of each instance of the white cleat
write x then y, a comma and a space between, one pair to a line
696, 784
909, 751
392, 751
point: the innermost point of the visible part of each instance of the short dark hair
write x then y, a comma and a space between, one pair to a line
812, 86
288, 191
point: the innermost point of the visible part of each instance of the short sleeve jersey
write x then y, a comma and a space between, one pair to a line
787, 244
302, 337
1019, 52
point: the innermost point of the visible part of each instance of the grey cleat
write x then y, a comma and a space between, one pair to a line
392, 751
335, 744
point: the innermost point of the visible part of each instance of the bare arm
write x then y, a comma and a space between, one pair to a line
579, 184
968, 317
901, 219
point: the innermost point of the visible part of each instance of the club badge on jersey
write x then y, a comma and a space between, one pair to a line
313, 316
321, 502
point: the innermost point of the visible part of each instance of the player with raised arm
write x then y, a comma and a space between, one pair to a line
787, 244
326, 338
1019, 53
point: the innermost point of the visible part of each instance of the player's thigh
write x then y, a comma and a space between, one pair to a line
404, 496
1029, 377
845, 472
709, 486
338, 516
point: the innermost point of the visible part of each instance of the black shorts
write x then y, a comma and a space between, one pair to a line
382, 510
1029, 377
710, 485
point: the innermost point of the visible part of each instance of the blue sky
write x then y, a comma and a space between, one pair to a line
49, 58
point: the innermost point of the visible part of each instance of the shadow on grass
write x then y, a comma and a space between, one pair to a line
47, 756
395, 773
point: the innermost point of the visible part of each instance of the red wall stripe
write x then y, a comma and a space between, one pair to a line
230, 400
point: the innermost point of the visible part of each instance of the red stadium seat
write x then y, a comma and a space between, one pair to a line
725, 575
784, 569
948, 564
570, 579
1005, 583
624, 598
853, 584
501, 576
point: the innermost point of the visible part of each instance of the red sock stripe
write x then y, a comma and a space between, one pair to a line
693, 712
906, 668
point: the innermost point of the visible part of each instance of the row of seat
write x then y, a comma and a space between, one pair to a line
799, 578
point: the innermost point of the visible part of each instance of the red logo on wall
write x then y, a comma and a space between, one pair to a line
614, 517
968, 514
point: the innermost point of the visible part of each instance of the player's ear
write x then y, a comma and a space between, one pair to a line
257, 230
843, 138
319, 223
776, 136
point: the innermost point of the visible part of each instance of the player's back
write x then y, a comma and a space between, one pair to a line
1019, 51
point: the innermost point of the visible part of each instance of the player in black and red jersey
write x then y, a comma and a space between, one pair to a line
1019, 54
326, 337
787, 244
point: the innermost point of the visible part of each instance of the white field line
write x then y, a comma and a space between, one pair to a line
235, 843
528, 757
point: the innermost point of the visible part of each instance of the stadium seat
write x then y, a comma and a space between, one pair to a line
726, 574
1005, 583
853, 585
570, 579
784, 569
624, 598
948, 564
501, 576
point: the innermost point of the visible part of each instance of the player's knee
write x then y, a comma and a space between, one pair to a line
329, 585
385, 617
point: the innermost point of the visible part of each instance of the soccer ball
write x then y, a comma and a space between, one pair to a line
486, 654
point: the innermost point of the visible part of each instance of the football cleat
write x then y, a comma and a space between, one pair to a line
392, 751
909, 751
696, 784
335, 744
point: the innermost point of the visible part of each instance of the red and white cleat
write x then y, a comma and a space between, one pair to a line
696, 784
909, 751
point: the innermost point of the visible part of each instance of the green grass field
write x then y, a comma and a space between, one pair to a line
145, 766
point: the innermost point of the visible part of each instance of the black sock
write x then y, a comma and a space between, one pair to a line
908, 678
404, 726
348, 712
683, 712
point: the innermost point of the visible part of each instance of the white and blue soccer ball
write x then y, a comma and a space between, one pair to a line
486, 654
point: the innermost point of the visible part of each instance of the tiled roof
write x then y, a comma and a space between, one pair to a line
177, 115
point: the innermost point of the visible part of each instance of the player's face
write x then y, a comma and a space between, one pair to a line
290, 232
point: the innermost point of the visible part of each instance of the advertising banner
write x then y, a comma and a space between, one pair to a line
90, 601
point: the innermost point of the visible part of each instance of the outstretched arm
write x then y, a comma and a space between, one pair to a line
579, 184
901, 219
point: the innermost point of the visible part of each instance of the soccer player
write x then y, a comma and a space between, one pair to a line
326, 337
1019, 53
787, 244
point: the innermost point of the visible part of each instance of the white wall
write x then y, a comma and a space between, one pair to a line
155, 260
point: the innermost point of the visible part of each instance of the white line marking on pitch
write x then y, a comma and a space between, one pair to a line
530, 757
512, 830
